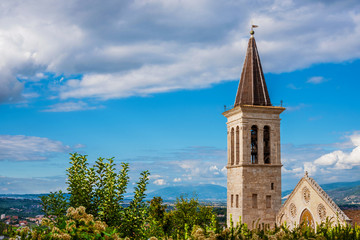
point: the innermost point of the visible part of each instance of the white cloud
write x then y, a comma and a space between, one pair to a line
70, 107
316, 80
160, 182
155, 176
79, 145
28, 148
141, 47
310, 168
340, 159
294, 170
330, 158
9, 185
213, 168
295, 108
177, 179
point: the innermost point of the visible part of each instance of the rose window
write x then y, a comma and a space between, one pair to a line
306, 194
321, 211
292, 210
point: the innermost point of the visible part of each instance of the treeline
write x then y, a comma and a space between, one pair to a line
20, 207
94, 210
100, 190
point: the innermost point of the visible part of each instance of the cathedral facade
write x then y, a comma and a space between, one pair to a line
254, 158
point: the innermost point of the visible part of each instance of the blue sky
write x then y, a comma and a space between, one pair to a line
146, 82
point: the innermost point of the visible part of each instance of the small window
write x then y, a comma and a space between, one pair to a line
254, 201
268, 201
232, 200
272, 186
237, 201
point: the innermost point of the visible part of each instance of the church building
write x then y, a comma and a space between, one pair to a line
254, 159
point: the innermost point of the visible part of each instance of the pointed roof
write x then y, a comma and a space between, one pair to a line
252, 88
320, 192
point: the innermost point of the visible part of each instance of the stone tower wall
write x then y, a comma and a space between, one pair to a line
246, 179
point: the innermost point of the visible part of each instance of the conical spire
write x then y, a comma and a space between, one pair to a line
252, 88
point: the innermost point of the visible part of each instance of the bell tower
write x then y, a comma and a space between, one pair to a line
253, 137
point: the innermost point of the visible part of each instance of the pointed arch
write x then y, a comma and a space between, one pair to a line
254, 144
232, 147
237, 145
266, 135
307, 218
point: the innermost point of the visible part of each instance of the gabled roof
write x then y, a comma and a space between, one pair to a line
252, 88
321, 193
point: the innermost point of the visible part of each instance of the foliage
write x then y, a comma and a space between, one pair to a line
54, 204
20, 207
187, 214
100, 190
79, 225
6, 230
94, 210
156, 217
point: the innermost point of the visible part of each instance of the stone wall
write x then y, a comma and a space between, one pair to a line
246, 179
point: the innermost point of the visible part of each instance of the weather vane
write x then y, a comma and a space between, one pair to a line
252, 29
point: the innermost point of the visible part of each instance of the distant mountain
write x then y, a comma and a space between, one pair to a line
209, 192
332, 186
342, 193
345, 195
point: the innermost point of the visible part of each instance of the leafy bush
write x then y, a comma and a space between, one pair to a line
78, 225
100, 190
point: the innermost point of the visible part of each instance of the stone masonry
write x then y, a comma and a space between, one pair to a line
253, 189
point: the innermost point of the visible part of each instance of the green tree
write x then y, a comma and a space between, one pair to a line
100, 190
156, 217
54, 204
80, 182
135, 216
187, 214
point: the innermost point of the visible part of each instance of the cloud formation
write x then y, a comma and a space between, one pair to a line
316, 80
327, 163
29, 148
129, 48
340, 159
200, 164
70, 107
11, 185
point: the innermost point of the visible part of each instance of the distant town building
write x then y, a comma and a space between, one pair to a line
254, 159
2, 216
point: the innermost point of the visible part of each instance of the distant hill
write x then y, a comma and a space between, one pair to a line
343, 193
209, 192
332, 186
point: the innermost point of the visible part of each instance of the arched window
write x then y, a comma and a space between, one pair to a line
267, 145
232, 147
237, 146
254, 145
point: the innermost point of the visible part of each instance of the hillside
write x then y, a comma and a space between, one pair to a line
203, 192
343, 193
